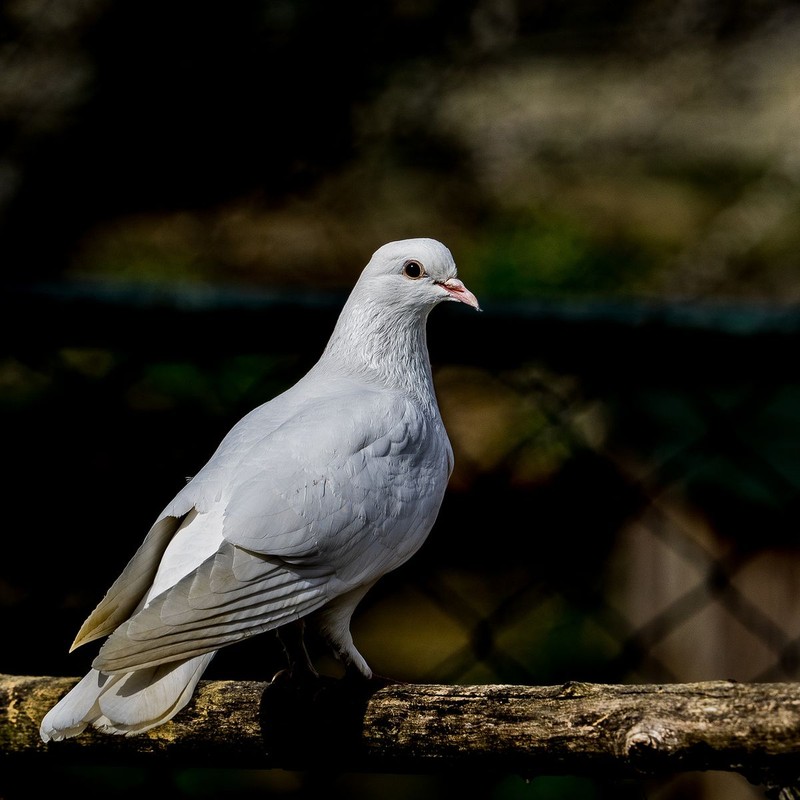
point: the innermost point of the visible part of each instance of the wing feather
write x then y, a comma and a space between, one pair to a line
210, 608
331, 491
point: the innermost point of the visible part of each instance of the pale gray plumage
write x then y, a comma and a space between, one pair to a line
308, 500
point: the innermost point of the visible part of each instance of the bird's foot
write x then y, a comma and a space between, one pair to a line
297, 676
360, 683
294, 688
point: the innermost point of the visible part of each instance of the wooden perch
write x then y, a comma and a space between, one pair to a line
577, 728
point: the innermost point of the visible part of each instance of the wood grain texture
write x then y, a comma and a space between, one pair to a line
577, 728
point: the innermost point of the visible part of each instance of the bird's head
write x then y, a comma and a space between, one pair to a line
417, 273
381, 330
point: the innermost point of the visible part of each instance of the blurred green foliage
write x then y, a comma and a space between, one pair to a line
552, 256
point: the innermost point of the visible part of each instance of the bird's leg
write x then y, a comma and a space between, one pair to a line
300, 667
336, 631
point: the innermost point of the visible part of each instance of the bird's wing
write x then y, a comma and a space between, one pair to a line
342, 485
231, 595
311, 510
201, 494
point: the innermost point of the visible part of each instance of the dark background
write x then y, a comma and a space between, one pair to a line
188, 191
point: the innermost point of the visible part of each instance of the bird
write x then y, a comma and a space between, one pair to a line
307, 501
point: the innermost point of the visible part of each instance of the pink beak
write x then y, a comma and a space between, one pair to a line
458, 291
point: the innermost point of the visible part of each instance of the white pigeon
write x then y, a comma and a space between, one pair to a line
306, 503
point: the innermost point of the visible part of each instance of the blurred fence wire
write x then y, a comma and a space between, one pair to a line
624, 505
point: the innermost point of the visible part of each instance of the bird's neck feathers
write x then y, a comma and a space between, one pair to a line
381, 344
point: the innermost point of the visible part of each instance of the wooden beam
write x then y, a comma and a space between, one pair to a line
580, 729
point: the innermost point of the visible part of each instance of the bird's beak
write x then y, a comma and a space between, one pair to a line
458, 291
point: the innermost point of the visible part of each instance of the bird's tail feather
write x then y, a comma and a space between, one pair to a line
125, 703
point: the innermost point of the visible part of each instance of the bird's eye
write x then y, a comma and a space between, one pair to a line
413, 270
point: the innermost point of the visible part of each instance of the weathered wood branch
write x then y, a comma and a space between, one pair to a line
577, 728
